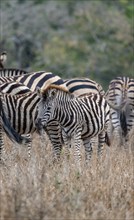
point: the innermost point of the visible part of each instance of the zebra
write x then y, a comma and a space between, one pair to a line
11, 133
5, 72
77, 86
79, 117
121, 89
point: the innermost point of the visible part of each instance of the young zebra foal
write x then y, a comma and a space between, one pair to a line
79, 117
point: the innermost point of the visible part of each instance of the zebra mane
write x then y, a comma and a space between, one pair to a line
53, 86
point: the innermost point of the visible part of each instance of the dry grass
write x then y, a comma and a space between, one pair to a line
37, 189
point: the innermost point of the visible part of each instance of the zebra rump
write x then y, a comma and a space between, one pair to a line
121, 95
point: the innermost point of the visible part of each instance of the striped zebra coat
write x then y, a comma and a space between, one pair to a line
5, 124
81, 85
79, 117
21, 112
121, 89
77, 86
10, 72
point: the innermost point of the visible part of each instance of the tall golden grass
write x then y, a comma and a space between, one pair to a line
36, 188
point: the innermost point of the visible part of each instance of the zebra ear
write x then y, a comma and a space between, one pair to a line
38, 90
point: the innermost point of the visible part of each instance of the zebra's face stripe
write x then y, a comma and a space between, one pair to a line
44, 111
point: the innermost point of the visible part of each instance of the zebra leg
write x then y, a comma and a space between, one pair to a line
66, 140
115, 117
29, 145
101, 141
1, 141
130, 124
54, 133
88, 149
77, 143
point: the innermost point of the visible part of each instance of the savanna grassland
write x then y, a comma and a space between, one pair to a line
38, 189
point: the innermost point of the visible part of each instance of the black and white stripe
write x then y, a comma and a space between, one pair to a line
79, 86
12, 72
25, 120
5, 79
14, 88
79, 117
121, 89
21, 112
39, 79
6, 126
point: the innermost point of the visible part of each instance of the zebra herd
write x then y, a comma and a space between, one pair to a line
75, 108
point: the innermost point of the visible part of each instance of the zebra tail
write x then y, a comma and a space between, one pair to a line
107, 139
11, 133
123, 123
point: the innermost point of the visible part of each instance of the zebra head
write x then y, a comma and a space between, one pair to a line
3, 57
45, 108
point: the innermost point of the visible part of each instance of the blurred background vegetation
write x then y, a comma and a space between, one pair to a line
88, 38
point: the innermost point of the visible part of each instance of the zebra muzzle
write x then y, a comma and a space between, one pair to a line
38, 125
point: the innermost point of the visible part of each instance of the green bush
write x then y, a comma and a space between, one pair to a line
70, 38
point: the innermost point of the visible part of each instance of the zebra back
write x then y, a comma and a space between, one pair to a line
12, 72
5, 79
80, 86
39, 79
121, 89
14, 88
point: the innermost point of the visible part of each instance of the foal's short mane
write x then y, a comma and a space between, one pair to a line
53, 86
